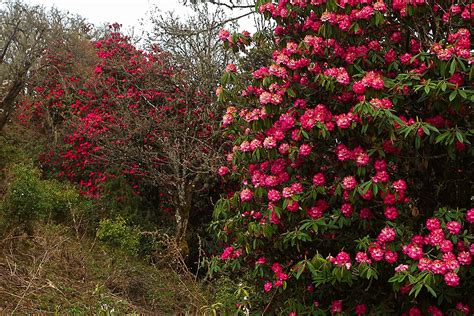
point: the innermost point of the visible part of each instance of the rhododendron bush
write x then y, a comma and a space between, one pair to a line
353, 153
126, 113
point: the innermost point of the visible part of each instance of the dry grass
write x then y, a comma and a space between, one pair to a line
54, 272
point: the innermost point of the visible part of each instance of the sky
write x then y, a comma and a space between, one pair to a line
126, 12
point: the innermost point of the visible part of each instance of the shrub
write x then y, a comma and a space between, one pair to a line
353, 152
24, 199
29, 198
118, 234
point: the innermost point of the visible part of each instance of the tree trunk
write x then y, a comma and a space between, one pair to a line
7, 102
185, 194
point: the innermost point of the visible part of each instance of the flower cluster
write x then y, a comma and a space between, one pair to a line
338, 146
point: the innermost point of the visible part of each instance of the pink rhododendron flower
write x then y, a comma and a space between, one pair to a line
267, 287
246, 195
319, 179
223, 171
401, 268
451, 279
349, 183
336, 306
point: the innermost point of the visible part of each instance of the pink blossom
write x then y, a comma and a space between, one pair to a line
274, 219
470, 216
401, 268
265, 98
376, 252
223, 171
434, 311
362, 257
433, 223
387, 234
336, 306
267, 287
230, 253
347, 209
451, 279
413, 251
343, 153
446, 246
343, 121
230, 68
223, 35
464, 308
284, 148
274, 195
464, 258
424, 264
391, 213
261, 260
358, 87
360, 309
319, 179
269, 142
362, 158
246, 195
349, 183
438, 267
254, 144
391, 256
305, 150
399, 185
245, 146
315, 212
341, 259
293, 206
435, 237
227, 119
381, 177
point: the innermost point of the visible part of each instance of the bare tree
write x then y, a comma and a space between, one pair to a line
194, 44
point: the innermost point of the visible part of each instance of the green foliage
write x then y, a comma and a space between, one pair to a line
24, 199
227, 294
118, 234
29, 198
120, 198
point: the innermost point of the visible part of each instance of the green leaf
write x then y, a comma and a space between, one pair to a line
417, 142
291, 93
312, 269
416, 289
453, 95
459, 137
430, 289
443, 86
427, 89
452, 68
301, 268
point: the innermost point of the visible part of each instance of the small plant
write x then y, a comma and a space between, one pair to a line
118, 234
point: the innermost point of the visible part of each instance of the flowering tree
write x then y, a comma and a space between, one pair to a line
127, 113
27, 31
353, 151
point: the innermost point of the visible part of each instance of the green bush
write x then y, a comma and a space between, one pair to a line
29, 198
25, 198
116, 233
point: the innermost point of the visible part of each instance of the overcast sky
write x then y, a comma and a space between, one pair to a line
126, 12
